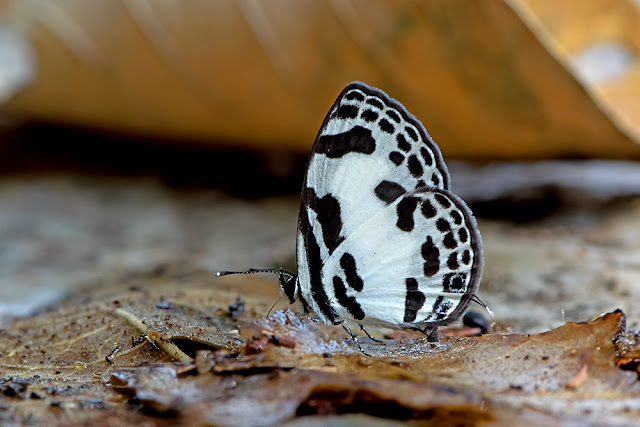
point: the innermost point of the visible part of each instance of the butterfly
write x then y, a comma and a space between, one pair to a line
381, 238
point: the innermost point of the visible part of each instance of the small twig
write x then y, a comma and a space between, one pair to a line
169, 347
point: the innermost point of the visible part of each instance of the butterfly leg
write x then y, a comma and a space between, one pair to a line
431, 332
354, 337
367, 333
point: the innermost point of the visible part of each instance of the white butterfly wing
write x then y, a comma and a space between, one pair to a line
369, 153
416, 263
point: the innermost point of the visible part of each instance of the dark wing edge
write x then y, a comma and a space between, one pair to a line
370, 90
476, 269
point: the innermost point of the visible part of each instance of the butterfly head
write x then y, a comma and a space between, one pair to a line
288, 283
287, 280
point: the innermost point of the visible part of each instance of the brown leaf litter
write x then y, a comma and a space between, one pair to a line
190, 354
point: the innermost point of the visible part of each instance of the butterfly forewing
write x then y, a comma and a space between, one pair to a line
370, 145
371, 162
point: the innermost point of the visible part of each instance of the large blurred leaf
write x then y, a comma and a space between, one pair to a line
488, 79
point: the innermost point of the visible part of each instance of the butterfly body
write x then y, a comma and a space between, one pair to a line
381, 239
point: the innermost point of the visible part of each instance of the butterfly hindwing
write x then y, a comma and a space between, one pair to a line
418, 261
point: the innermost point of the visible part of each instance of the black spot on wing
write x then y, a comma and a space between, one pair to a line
348, 264
466, 257
402, 142
369, 116
443, 225
386, 126
431, 256
441, 307
435, 179
347, 111
393, 116
405, 209
355, 140
411, 132
354, 94
388, 191
396, 157
329, 217
453, 283
428, 210
315, 267
414, 165
375, 102
462, 234
421, 183
414, 300
443, 201
449, 241
457, 217
345, 300
452, 262
426, 155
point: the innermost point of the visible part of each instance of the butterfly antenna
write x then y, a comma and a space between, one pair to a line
257, 270
478, 301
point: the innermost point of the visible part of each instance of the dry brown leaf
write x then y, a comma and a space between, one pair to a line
54, 370
543, 362
489, 79
279, 397
137, 315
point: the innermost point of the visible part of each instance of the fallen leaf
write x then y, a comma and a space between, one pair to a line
53, 368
